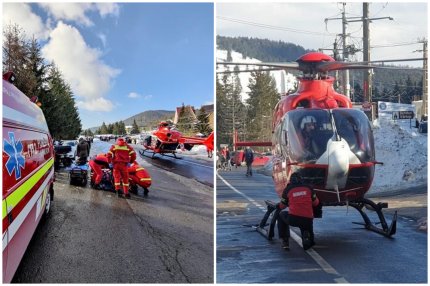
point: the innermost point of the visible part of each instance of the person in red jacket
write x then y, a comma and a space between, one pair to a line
139, 176
97, 163
301, 200
121, 155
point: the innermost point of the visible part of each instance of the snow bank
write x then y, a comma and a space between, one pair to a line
197, 152
404, 153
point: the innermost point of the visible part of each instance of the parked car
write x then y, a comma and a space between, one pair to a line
73, 144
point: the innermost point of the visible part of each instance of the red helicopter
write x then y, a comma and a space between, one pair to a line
166, 140
316, 133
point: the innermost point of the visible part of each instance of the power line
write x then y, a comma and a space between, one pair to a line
272, 27
394, 45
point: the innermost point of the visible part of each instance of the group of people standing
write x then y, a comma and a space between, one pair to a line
226, 159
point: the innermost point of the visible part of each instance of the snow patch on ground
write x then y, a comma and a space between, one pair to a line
404, 153
197, 152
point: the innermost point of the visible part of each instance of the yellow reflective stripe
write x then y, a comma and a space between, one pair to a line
4, 209
110, 152
13, 199
117, 147
145, 179
125, 185
117, 184
140, 169
131, 152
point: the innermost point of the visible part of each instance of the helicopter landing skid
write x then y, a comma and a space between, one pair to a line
377, 207
142, 153
268, 233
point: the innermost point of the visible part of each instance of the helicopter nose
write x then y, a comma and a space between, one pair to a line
338, 164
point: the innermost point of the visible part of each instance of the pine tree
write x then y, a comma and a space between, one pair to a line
121, 128
103, 129
202, 125
186, 120
263, 97
231, 113
15, 53
135, 128
59, 107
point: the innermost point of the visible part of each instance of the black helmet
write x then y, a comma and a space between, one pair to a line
296, 179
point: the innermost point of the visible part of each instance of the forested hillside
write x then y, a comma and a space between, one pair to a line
262, 49
150, 118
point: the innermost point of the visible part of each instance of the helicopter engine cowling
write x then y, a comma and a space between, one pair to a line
338, 157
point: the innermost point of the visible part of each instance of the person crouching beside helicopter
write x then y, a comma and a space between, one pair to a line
121, 155
300, 199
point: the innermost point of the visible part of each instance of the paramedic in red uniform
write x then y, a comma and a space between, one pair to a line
121, 155
97, 163
300, 199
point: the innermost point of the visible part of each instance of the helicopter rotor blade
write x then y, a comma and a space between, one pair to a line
286, 65
249, 70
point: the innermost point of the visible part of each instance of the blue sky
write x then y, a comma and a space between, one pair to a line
122, 59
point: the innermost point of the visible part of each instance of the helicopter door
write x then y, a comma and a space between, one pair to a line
277, 155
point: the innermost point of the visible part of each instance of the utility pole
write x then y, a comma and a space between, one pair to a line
366, 47
345, 77
425, 78
367, 74
345, 48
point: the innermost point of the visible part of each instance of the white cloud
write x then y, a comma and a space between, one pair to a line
21, 14
107, 9
81, 66
69, 11
134, 95
77, 12
137, 95
102, 38
97, 104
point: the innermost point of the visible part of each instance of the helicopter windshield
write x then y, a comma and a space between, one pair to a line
353, 126
306, 133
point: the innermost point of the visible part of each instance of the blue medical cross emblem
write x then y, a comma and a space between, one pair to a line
16, 160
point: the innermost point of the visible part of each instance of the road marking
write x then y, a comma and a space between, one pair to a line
312, 253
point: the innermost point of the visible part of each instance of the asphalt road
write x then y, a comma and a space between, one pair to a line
345, 252
92, 236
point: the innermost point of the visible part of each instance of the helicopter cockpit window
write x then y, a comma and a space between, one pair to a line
308, 132
353, 125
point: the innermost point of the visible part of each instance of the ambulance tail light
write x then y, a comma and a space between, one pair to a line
9, 76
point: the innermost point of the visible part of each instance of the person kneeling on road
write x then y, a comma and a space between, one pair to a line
121, 155
97, 163
300, 199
